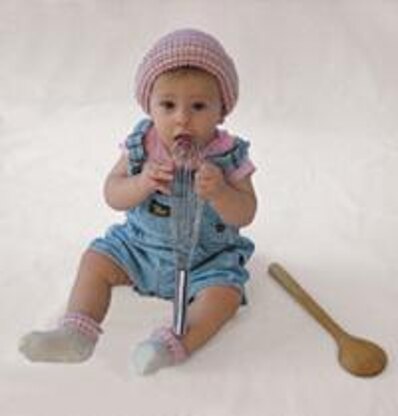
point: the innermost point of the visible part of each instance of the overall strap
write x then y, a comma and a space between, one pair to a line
135, 146
233, 157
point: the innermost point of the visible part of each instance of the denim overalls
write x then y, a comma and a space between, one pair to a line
142, 246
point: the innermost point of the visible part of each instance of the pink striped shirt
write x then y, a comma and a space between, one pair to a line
221, 143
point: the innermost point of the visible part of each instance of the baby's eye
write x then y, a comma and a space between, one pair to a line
167, 105
198, 106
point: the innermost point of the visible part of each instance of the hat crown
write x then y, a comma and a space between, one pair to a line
187, 47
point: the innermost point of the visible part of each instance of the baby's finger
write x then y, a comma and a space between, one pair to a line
163, 188
207, 169
162, 175
164, 165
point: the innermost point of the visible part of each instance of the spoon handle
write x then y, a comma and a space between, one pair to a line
305, 300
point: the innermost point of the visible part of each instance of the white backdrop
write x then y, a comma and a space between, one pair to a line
319, 101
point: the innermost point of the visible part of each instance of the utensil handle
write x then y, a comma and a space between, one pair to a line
305, 300
181, 302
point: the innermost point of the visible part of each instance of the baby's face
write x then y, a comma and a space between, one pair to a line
186, 103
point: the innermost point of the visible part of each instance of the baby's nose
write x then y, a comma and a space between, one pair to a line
183, 116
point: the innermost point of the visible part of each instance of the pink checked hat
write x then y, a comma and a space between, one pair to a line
187, 47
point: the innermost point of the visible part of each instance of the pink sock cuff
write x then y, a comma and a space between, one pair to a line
82, 323
174, 345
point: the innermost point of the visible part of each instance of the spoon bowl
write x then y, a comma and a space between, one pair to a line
360, 356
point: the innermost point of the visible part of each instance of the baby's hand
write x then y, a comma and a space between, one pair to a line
157, 176
209, 181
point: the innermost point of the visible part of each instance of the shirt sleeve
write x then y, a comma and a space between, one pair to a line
236, 162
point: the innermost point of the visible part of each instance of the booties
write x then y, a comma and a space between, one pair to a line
162, 349
72, 342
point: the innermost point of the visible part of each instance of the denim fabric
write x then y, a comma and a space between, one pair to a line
142, 246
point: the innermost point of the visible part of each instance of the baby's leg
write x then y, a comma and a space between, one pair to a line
91, 293
75, 338
212, 307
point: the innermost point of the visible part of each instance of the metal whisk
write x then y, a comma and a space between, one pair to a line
186, 211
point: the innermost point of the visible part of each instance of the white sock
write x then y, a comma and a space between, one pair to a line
73, 341
162, 349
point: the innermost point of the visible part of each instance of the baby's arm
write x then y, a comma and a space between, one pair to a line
235, 201
123, 192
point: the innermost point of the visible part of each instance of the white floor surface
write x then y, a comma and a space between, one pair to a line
319, 101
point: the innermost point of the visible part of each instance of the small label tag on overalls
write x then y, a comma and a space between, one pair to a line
159, 209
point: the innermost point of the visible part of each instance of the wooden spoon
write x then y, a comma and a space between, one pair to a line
358, 356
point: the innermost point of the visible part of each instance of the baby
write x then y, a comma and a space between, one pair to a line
187, 84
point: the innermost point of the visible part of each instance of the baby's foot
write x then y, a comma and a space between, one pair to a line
72, 342
162, 349
59, 345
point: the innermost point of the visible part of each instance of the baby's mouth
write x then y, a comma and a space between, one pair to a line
183, 137
185, 149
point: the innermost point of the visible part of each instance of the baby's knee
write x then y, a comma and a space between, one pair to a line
101, 268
